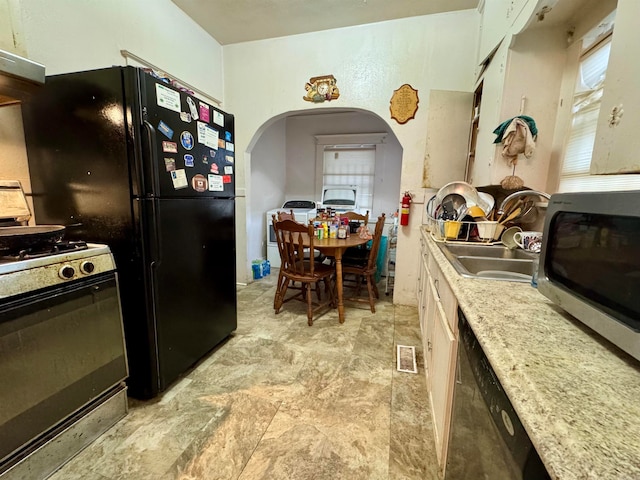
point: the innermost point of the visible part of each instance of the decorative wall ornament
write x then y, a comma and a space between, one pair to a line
321, 88
404, 104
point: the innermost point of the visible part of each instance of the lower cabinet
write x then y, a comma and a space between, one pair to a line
438, 321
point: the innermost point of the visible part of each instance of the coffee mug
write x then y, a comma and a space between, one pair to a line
528, 240
507, 237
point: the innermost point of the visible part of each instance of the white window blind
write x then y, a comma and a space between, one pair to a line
588, 91
351, 166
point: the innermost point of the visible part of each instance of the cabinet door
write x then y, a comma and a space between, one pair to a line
422, 300
419, 285
448, 124
442, 374
616, 146
430, 309
494, 24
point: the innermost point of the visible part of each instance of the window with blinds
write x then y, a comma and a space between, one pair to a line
588, 91
351, 166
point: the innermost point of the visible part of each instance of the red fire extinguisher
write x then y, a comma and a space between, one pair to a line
404, 209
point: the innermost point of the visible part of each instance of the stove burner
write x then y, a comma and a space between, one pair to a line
47, 250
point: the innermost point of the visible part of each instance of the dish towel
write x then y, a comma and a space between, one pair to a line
500, 129
517, 139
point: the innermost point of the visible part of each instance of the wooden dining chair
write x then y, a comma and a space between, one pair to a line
364, 269
317, 254
291, 240
357, 217
360, 252
286, 216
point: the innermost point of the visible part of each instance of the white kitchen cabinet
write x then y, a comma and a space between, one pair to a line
523, 78
438, 312
442, 376
494, 25
616, 145
448, 122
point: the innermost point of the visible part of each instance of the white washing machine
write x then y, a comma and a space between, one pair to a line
303, 211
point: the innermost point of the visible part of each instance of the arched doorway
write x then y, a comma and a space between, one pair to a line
286, 162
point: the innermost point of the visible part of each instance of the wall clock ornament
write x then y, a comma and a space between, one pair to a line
320, 89
404, 104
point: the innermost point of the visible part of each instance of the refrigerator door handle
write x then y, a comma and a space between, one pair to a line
155, 260
150, 156
155, 246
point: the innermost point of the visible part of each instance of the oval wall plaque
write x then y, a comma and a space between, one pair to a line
404, 104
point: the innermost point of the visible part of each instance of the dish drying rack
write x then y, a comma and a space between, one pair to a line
525, 208
483, 232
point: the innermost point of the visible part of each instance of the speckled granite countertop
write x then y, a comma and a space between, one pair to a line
576, 394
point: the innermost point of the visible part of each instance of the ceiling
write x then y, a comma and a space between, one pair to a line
235, 21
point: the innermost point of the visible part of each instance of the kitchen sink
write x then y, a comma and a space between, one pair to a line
492, 262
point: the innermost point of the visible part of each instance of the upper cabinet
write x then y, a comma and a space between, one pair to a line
493, 26
521, 64
523, 78
502, 18
617, 141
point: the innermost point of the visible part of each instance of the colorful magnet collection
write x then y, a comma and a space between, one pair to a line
219, 153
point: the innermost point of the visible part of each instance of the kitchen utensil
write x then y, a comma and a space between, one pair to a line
467, 191
463, 211
476, 212
512, 215
431, 207
23, 237
489, 200
452, 205
521, 194
455, 199
508, 210
529, 212
468, 228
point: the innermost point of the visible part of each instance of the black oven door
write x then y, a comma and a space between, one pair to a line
60, 348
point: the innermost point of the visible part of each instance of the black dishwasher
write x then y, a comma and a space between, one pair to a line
487, 438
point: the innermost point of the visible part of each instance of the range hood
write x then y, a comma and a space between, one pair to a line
18, 78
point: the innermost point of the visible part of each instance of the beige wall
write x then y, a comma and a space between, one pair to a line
265, 79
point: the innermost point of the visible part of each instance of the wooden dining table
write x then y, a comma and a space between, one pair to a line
335, 247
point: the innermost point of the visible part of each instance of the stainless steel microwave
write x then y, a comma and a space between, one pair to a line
590, 262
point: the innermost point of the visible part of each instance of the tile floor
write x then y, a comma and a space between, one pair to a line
282, 400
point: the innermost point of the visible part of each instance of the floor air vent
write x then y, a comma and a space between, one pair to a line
406, 358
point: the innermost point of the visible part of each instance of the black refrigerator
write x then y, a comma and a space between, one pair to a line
121, 157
